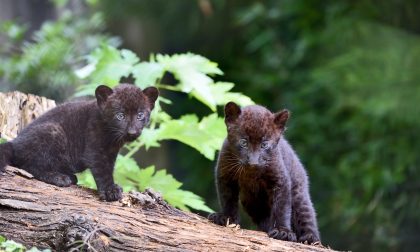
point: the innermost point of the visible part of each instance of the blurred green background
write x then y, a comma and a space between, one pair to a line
348, 70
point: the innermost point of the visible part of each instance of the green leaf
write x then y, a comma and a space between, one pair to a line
144, 178
220, 90
85, 90
147, 73
181, 198
206, 136
12, 246
128, 174
188, 61
192, 72
109, 64
158, 115
13, 30
150, 138
85, 71
168, 186
86, 179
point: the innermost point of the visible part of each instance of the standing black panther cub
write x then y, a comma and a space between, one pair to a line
257, 166
79, 135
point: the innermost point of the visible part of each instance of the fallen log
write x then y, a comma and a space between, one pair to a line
65, 219
73, 218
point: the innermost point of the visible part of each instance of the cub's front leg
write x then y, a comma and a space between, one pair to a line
304, 217
278, 225
228, 194
102, 167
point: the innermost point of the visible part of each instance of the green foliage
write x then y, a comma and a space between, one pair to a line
45, 64
351, 80
205, 136
52, 64
348, 71
12, 246
131, 177
108, 64
376, 110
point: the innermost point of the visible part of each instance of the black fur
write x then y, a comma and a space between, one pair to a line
75, 136
259, 168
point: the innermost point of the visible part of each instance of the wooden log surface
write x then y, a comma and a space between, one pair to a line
38, 214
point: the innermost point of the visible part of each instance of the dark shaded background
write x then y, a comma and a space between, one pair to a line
349, 72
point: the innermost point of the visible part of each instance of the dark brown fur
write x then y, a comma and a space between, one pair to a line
79, 135
258, 167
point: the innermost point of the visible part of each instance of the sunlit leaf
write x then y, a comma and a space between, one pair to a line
192, 72
110, 65
86, 90
150, 138
220, 90
147, 73
86, 179
206, 136
130, 176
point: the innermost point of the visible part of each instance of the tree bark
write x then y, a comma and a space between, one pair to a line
18, 109
42, 215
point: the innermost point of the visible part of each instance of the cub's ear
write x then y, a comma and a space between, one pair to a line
280, 118
232, 112
152, 94
102, 92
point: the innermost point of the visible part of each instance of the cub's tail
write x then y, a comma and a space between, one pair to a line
6, 155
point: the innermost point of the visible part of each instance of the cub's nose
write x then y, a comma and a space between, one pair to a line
132, 132
253, 159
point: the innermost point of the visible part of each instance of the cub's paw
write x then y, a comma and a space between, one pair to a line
309, 238
73, 179
282, 234
58, 179
221, 219
111, 193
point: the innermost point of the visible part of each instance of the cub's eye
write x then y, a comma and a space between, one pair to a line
243, 143
140, 116
120, 116
264, 145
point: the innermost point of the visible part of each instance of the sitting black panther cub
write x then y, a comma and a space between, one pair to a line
79, 135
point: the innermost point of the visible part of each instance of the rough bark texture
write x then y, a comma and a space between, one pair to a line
38, 214
17, 110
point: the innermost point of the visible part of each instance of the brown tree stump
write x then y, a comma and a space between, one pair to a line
18, 109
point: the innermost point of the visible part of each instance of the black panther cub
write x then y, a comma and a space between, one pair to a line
79, 135
257, 166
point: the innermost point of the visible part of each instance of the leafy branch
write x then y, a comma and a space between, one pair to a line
107, 65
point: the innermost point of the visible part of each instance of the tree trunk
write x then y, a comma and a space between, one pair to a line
18, 109
42, 215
